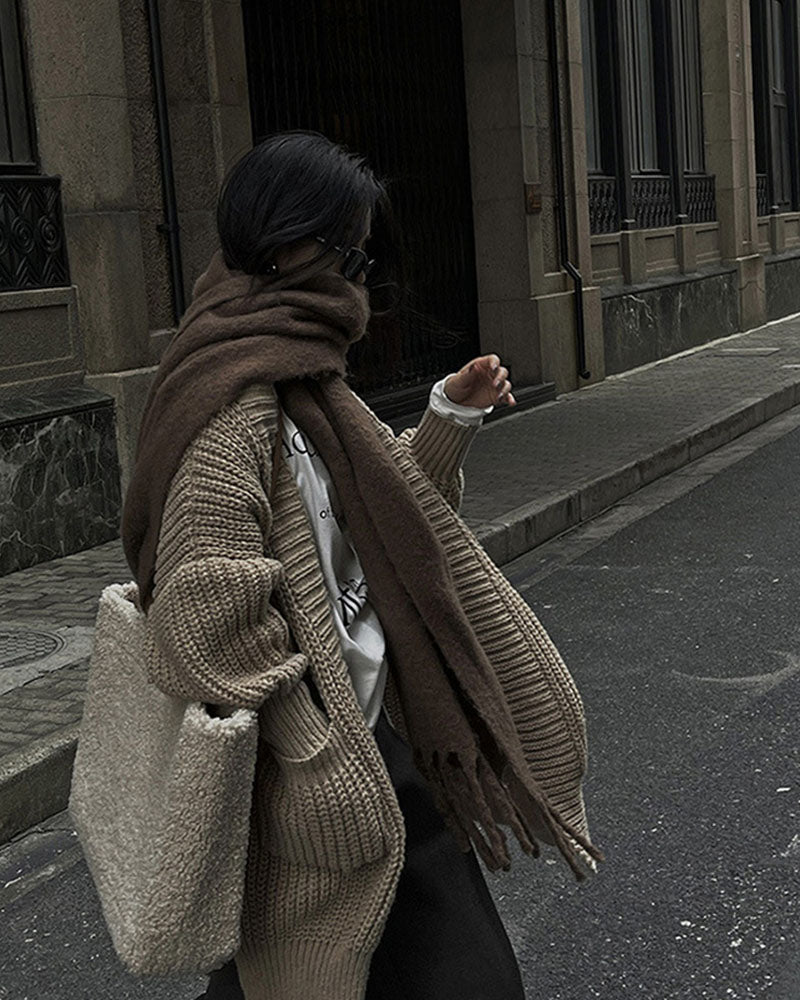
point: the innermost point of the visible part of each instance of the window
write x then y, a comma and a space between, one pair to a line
640, 104
654, 174
775, 103
594, 157
33, 253
687, 52
16, 140
597, 84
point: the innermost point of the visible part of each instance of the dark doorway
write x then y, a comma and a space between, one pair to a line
387, 80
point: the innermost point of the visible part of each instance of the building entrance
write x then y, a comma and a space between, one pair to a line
387, 80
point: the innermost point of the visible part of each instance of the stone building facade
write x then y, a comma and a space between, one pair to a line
585, 186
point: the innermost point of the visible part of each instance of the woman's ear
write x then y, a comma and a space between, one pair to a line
296, 255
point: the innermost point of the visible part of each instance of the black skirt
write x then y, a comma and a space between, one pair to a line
443, 939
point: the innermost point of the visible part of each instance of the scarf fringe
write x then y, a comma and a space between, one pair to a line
578, 851
473, 801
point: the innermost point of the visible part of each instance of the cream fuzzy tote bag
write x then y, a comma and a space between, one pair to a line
161, 796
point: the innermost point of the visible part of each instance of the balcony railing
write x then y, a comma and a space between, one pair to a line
652, 201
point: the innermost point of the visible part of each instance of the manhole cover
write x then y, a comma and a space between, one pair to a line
26, 646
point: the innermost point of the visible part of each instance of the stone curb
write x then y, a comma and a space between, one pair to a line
35, 781
525, 527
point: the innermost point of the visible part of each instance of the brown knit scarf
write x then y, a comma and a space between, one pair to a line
237, 332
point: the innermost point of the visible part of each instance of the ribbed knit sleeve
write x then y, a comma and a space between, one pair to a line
213, 634
439, 447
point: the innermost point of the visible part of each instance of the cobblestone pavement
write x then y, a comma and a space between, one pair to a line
585, 434
56, 598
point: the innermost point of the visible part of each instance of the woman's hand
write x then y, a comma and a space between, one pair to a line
481, 382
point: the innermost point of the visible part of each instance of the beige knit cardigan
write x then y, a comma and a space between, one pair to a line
240, 612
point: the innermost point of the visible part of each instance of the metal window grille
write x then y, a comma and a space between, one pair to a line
652, 201
762, 195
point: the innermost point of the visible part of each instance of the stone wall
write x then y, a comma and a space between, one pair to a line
41, 340
783, 285
643, 323
93, 101
59, 476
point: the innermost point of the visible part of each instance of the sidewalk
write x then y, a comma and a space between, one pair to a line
530, 476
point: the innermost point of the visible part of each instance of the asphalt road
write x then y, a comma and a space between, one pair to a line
682, 630
679, 615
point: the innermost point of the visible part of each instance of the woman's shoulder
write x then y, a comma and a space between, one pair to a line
258, 398
259, 405
245, 429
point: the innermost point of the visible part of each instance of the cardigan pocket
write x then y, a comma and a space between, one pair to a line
325, 808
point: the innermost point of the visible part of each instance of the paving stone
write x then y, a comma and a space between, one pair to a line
604, 427
67, 686
15, 739
24, 716
28, 699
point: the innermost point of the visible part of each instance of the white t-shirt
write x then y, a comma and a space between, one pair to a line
357, 624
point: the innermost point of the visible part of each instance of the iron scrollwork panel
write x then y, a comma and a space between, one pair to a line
762, 195
651, 196
33, 252
603, 207
701, 203
652, 201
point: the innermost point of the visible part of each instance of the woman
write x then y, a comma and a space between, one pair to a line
327, 582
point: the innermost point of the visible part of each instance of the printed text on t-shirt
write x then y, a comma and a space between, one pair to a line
299, 444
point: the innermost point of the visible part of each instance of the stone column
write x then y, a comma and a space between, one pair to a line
75, 54
556, 309
209, 113
209, 119
502, 117
526, 303
730, 148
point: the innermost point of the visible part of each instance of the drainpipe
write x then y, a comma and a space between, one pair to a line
561, 206
170, 224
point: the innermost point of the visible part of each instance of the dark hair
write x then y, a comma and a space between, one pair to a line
293, 186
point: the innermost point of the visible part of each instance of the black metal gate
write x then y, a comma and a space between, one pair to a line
387, 80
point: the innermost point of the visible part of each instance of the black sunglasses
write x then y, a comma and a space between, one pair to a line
354, 260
